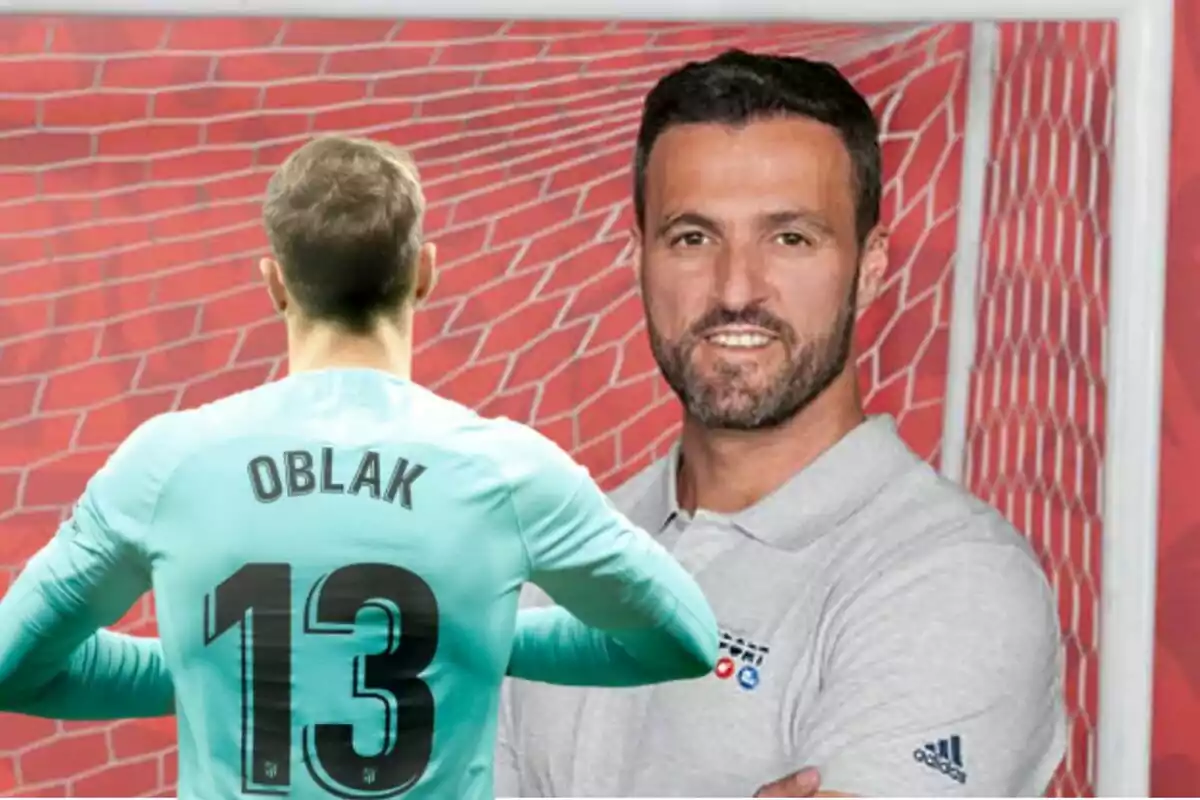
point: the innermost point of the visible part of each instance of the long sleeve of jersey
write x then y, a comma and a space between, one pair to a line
54, 659
627, 613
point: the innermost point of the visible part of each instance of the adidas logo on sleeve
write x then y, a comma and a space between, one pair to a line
945, 756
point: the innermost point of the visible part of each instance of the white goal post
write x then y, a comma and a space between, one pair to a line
1138, 220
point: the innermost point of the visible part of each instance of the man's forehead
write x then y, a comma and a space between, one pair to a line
779, 139
791, 163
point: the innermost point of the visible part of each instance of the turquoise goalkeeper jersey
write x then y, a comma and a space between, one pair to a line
336, 560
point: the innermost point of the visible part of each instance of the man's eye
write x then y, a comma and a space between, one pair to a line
793, 239
689, 239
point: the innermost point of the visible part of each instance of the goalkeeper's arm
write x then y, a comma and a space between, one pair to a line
54, 660
628, 613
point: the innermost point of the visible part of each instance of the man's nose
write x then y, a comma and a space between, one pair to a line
739, 280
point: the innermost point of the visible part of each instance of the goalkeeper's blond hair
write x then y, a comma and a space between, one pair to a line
344, 219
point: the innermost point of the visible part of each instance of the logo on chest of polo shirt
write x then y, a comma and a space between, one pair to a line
741, 660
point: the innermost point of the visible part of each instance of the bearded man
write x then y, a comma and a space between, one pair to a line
881, 627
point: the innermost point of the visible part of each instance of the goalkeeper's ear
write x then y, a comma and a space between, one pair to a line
872, 266
272, 275
426, 272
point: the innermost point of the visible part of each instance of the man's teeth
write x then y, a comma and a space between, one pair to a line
747, 340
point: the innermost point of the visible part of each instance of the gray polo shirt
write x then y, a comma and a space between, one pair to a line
878, 622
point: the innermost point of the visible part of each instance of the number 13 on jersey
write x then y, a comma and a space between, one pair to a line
258, 600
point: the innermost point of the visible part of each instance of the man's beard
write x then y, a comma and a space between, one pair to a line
728, 400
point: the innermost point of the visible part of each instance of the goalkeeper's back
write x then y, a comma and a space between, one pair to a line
337, 559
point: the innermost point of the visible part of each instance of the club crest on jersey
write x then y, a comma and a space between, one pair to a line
741, 660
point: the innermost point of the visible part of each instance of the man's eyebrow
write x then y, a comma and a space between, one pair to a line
773, 219
691, 218
777, 219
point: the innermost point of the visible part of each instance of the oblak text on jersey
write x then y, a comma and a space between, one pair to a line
296, 473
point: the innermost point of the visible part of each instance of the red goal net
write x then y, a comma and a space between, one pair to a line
133, 155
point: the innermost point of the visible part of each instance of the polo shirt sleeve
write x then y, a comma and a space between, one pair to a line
942, 679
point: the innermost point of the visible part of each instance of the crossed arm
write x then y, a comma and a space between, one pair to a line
964, 645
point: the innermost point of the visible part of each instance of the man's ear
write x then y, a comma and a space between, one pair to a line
272, 275
635, 251
426, 277
872, 266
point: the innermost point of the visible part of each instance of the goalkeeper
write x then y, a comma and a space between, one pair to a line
336, 557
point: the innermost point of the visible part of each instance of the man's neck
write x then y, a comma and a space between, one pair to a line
728, 471
387, 348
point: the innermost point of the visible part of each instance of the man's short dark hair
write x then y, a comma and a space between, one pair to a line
737, 87
344, 220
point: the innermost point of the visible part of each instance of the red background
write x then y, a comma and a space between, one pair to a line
132, 155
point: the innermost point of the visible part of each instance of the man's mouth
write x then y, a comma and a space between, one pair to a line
739, 337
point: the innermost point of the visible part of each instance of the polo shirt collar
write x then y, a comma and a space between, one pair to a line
822, 495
